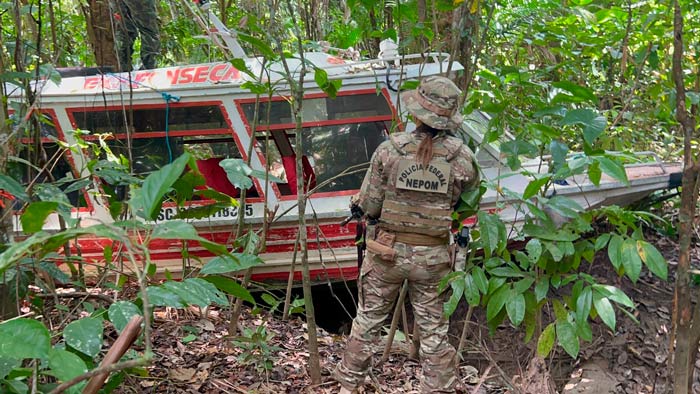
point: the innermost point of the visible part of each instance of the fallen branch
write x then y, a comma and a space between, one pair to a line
108, 369
394, 322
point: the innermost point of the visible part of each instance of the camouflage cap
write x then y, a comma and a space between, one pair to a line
435, 103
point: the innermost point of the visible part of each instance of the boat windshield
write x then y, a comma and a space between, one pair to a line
339, 136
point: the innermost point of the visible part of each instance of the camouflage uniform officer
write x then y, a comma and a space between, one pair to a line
414, 181
134, 17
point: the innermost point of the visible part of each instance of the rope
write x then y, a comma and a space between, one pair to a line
168, 98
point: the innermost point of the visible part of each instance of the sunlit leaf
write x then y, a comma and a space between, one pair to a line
85, 335
24, 338
545, 343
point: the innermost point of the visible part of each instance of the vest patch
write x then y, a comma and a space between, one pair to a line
412, 176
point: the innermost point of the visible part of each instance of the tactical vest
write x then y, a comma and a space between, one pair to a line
419, 200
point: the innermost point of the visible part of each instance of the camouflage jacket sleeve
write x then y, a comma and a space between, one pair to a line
467, 173
371, 196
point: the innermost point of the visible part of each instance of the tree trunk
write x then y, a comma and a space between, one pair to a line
98, 18
687, 322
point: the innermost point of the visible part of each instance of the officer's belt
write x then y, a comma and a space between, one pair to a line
420, 239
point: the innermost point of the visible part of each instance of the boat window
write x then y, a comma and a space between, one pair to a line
179, 118
150, 154
329, 151
55, 168
321, 109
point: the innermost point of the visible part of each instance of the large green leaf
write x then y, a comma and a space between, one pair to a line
612, 168
121, 312
545, 343
35, 215
480, 280
147, 200
582, 92
563, 205
631, 260
24, 338
229, 263
13, 187
605, 310
451, 304
615, 250
175, 229
534, 250
497, 301
543, 233
237, 172
471, 292
583, 304
160, 296
541, 288
535, 185
653, 259
7, 364
196, 291
490, 233
593, 123
230, 287
567, 338
614, 294
85, 335
66, 365
515, 306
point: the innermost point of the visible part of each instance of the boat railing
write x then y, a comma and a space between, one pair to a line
654, 155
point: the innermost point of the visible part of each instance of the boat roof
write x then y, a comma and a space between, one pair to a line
224, 75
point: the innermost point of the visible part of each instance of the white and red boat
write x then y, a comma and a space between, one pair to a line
205, 109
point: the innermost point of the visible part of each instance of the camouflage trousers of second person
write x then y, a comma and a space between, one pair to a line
137, 17
379, 284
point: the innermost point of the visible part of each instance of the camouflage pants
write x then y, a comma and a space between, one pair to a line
137, 17
379, 284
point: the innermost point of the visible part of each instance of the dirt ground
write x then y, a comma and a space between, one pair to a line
634, 359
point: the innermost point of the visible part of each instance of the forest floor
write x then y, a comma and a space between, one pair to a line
194, 354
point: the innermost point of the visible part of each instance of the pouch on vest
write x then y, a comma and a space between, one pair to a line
383, 245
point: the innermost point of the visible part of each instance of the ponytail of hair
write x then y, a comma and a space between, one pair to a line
425, 149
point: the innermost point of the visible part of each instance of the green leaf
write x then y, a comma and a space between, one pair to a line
35, 215
259, 45
13, 187
653, 259
85, 335
545, 343
565, 206
471, 292
534, 250
615, 251
160, 296
147, 200
16, 386
496, 302
232, 262
542, 288
535, 185
542, 233
7, 364
196, 291
66, 365
24, 338
612, 168
237, 172
515, 306
594, 173
614, 294
631, 260
583, 304
231, 287
121, 312
605, 310
577, 90
480, 280
592, 122
489, 230
559, 151
602, 241
241, 65
450, 306
567, 338
523, 285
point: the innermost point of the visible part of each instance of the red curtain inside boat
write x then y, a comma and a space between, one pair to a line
215, 176
290, 168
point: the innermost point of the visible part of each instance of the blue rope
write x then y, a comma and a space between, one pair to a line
168, 98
